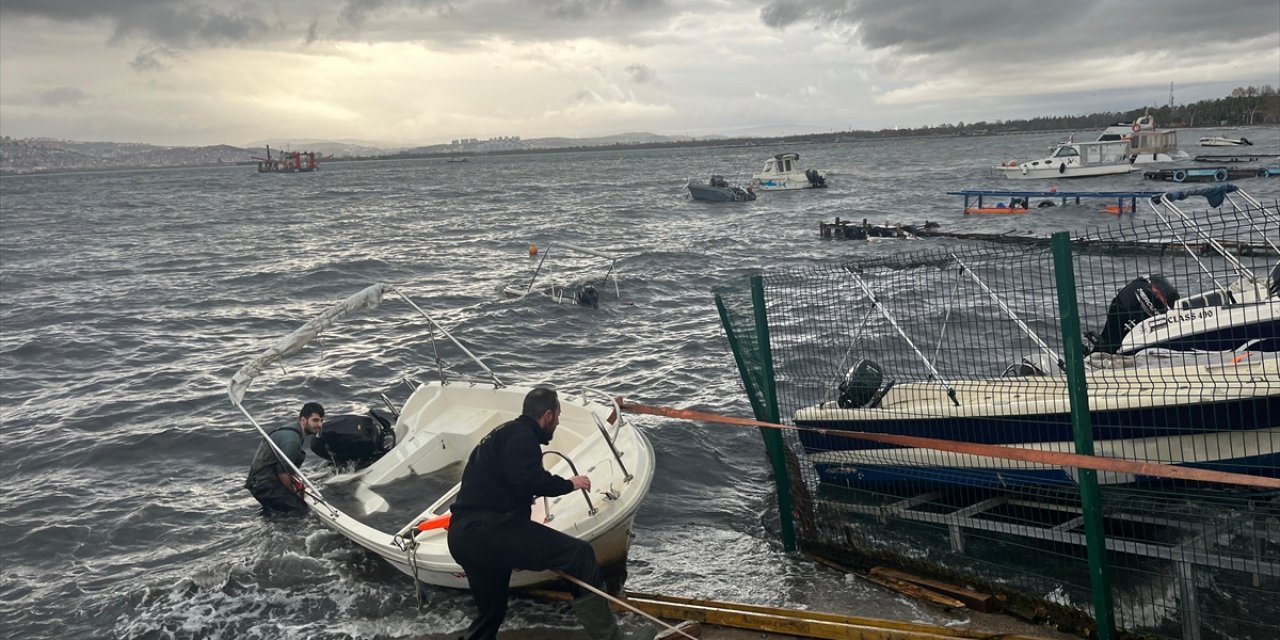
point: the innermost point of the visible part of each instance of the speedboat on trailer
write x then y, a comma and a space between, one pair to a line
435, 430
1223, 416
583, 293
1238, 314
1216, 411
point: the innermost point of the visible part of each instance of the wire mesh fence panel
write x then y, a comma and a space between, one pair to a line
1180, 311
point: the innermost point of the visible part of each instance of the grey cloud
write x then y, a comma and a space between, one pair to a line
1030, 27
177, 23
358, 12
152, 59
62, 97
584, 9
312, 32
640, 74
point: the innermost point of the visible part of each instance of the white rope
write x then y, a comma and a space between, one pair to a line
622, 604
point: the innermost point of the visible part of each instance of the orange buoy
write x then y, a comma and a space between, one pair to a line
440, 522
533, 249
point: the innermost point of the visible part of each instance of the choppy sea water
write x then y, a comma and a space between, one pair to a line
128, 299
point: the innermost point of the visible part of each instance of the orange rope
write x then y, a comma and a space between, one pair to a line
1120, 465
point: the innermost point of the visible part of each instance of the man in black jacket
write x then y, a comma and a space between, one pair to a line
270, 480
491, 532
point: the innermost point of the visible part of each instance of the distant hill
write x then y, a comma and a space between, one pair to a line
40, 155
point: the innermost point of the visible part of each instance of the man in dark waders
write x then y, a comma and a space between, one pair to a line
491, 532
270, 480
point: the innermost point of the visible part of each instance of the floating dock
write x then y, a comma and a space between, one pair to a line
1238, 157
979, 200
864, 230
1209, 174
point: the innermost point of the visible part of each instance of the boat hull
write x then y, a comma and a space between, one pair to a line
1226, 419
1208, 329
438, 428
782, 183
720, 194
1057, 171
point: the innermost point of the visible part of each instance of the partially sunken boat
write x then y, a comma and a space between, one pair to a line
398, 507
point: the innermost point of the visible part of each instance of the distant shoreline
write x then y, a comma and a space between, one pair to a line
733, 143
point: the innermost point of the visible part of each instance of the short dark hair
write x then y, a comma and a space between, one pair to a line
540, 401
311, 408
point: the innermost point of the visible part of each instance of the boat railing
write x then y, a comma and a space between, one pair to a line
617, 420
546, 502
368, 298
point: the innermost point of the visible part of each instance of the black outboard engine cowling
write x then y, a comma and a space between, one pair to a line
863, 386
815, 178
358, 439
589, 297
1140, 299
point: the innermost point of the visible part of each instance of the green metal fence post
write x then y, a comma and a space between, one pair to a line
772, 437
1090, 496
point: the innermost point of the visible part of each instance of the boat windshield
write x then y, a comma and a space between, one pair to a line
1066, 152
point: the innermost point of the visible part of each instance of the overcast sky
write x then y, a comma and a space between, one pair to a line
196, 72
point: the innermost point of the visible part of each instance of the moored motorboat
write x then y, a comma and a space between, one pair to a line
717, 189
782, 173
1074, 160
1222, 141
1147, 144
398, 507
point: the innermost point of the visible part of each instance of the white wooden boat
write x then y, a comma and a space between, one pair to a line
1074, 160
783, 173
390, 507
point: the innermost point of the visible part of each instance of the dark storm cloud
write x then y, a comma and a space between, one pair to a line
640, 74
1032, 27
169, 22
358, 12
585, 9
62, 97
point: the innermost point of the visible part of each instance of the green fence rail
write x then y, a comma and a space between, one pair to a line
1152, 340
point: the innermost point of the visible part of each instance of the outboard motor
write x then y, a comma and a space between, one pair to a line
863, 386
589, 297
358, 439
815, 178
1140, 299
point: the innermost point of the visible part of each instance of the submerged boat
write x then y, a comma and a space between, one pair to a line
1220, 141
582, 291
1074, 160
782, 173
717, 189
398, 507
